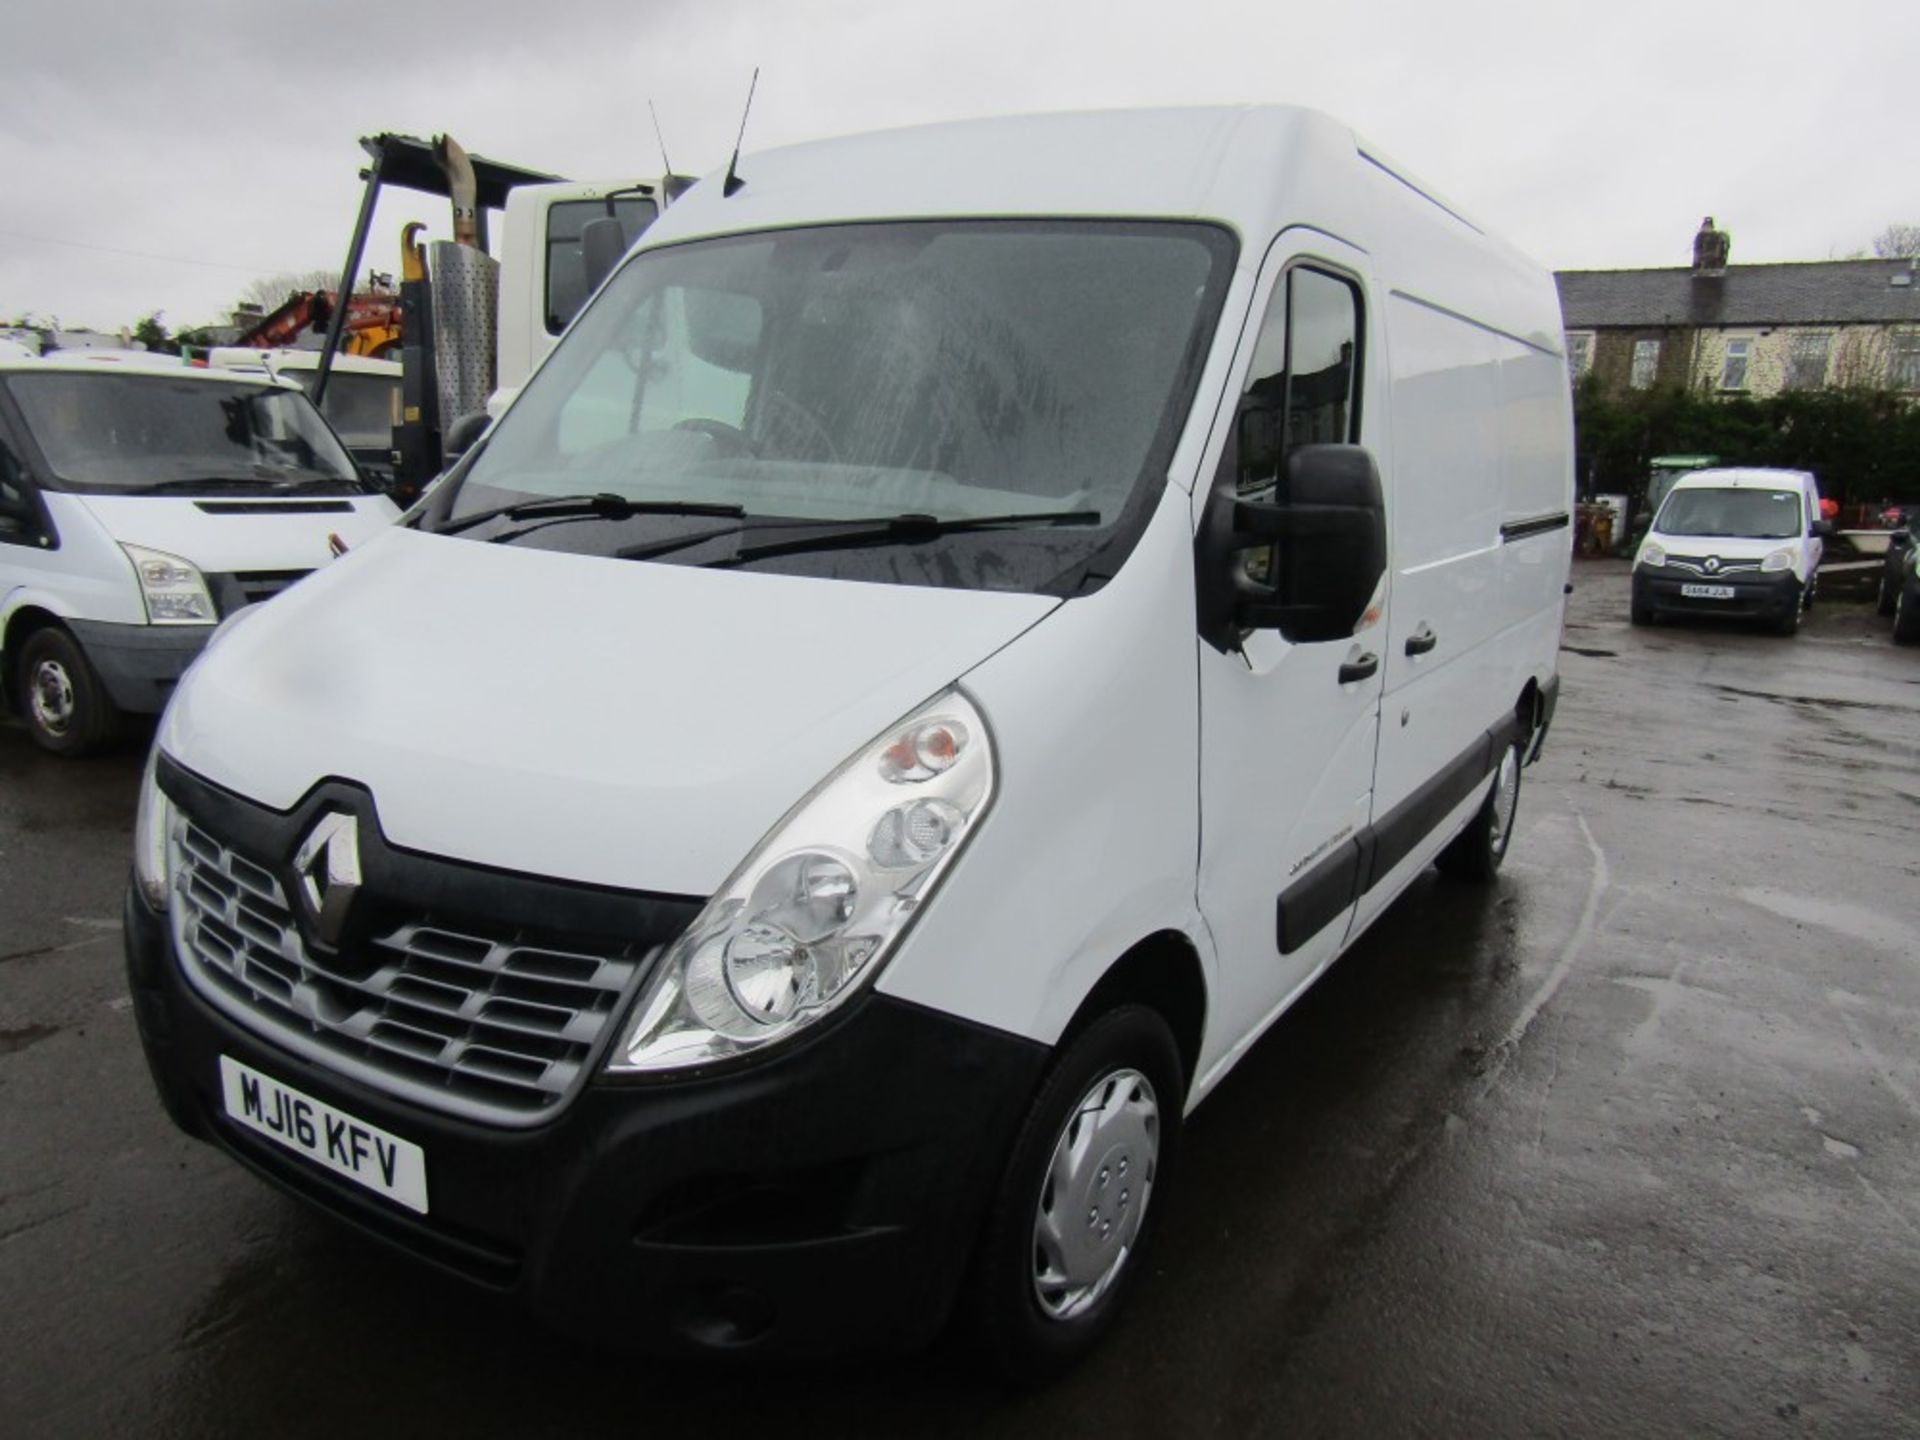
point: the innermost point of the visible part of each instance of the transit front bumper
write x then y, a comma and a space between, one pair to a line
1755, 597
140, 664
821, 1199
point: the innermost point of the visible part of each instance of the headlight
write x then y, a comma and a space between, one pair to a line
150, 825
812, 913
1779, 560
174, 591
1652, 556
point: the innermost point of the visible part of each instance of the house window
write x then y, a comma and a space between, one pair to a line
1733, 373
1903, 364
1579, 353
1807, 361
1646, 362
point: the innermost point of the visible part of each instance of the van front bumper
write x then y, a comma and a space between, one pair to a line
140, 664
1755, 597
824, 1198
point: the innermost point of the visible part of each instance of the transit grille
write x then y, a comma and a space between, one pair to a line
493, 1027
240, 588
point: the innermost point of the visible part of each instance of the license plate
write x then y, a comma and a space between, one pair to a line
1707, 592
345, 1144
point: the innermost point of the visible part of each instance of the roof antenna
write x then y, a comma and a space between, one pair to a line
666, 165
731, 185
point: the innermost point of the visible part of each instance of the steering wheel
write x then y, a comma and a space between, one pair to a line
730, 439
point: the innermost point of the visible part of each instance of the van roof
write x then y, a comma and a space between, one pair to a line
1254, 169
85, 362
1734, 477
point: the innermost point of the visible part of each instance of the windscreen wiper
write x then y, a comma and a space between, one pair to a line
908, 529
603, 506
205, 483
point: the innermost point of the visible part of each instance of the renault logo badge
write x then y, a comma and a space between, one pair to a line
328, 867
1713, 565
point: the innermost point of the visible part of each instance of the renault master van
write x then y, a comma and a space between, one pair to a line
964, 629
1735, 543
141, 502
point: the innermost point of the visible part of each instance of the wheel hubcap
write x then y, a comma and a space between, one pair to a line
1095, 1193
1506, 797
51, 689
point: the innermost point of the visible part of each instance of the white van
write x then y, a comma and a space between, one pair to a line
949, 647
1739, 543
139, 504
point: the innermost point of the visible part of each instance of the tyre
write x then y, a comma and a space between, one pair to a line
61, 699
1889, 591
1476, 852
1641, 615
1906, 617
1082, 1189
1789, 623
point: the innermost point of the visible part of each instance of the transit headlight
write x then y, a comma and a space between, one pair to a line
151, 822
174, 590
1652, 556
810, 916
1776, 562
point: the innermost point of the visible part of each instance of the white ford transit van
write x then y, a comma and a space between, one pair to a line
948, 648
1737, 543
139, 504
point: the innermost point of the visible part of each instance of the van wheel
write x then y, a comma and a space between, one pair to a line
1476, 852
1906, 618
1889, 592
1789, 623
1641, 615
1074, 1210
61, 699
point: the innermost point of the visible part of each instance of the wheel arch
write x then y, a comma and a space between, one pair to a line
20, 625
1163, 972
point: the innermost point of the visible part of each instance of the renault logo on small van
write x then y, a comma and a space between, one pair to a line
1713, 565
328, 867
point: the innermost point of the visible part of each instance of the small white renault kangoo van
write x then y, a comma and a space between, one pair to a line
140, 503
956, 638
1737, 543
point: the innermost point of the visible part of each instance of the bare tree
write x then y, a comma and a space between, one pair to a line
1898, 242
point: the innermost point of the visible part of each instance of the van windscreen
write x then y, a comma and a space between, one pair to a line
946, 370
1746, 513
135, 433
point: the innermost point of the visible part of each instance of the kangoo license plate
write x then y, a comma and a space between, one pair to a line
346, 1145
1707, 592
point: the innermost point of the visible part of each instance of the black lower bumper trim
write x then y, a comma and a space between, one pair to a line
1773, 597
823, 1199
140, 664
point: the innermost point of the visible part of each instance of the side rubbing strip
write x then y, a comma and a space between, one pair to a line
1322, 895
1539, 525
1318, 898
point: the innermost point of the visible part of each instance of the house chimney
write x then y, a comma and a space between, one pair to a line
1710, 249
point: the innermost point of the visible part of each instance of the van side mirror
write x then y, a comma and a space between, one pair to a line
1325, 539
602, 242
463, 432
1823, 529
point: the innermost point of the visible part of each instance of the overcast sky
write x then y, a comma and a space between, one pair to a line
1595, 134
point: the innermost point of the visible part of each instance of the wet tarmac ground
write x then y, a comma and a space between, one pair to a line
1628, 1145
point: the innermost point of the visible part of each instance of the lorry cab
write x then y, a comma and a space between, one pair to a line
140, 504
947, 649
1738, 543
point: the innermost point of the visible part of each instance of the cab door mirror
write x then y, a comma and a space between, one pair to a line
603, 242
1305, 563
1823, 529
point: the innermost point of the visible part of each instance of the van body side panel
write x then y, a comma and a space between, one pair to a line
1089, 845
87, 576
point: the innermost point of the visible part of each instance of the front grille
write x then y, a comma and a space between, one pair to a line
1697, 565
489, 1026
250, 587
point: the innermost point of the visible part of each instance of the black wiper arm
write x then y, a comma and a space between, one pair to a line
204, 483
906, 530
602, 506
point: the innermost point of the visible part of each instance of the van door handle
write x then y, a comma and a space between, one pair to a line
1360, 667
1422, 640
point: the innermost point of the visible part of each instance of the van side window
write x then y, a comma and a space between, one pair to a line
16, 506
1304, 384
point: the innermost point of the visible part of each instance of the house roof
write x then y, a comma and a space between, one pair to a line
1822, 292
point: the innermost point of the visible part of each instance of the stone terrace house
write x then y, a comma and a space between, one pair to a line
1745, 329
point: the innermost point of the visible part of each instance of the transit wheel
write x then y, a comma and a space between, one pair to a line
61, 699
1075, 1207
